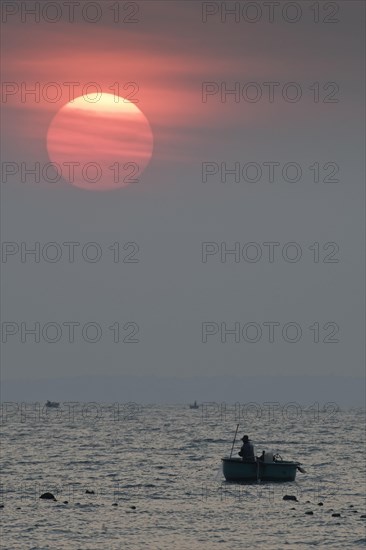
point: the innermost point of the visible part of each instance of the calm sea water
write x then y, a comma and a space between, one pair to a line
161, 466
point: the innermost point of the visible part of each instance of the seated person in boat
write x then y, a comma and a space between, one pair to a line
247, 450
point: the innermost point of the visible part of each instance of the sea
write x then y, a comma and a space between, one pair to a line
132, 476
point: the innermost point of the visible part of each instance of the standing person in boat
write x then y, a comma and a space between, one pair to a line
247, 450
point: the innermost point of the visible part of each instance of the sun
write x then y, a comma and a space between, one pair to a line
100, 145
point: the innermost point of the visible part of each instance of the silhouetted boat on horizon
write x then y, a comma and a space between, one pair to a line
52, 404
194, 406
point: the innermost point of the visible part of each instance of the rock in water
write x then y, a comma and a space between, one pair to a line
87, 492
48, 496
336, 515
309, 513
289, 497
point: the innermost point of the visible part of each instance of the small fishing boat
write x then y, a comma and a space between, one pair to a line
194, 406
267, 467
235, 469
52, 404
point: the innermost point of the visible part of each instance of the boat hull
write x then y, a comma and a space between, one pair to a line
236, 470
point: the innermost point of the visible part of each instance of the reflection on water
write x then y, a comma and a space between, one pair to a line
154, 479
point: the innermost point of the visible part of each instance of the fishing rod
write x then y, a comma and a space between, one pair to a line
232, 447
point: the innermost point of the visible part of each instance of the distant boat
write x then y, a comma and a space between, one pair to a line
52, 404
194, 406
235, 469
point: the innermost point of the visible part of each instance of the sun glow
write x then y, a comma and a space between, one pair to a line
107, 141
102, 103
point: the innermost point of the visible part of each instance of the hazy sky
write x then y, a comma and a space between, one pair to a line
297, 110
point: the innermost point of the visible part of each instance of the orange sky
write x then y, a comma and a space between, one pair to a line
168, 54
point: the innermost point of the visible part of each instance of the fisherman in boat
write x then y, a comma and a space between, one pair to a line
247, 450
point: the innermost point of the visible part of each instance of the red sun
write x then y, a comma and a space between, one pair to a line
101, 145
